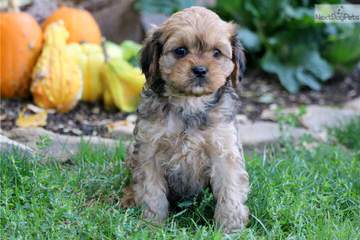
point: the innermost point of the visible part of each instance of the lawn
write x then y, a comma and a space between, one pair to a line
298, 191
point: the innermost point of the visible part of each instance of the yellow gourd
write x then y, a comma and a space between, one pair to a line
108, 100
57, 79
90, 57
123, 84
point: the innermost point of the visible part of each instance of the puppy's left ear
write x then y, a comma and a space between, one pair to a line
238, 58
149, 61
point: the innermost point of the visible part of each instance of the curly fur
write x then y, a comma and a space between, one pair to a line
185, 135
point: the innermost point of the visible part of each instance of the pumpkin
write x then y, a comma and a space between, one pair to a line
20, 46
80, 24
57, 78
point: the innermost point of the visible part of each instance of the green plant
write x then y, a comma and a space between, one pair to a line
44, 141
291, 119
340, 46
283, 36
163, 6
349, 135
289, 43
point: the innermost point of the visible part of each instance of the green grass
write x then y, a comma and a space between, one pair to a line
298, 192
349, 135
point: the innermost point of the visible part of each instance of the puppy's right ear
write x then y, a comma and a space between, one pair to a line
149, 61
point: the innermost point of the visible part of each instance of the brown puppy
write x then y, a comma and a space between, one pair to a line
185, 135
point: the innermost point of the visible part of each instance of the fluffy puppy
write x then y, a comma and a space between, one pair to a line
185, 135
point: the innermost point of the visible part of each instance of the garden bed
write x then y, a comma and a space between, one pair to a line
259, 92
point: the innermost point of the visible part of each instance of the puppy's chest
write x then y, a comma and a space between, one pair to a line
180, 140
182, 155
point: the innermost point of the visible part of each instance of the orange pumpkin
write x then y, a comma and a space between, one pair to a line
20, 46
80, 24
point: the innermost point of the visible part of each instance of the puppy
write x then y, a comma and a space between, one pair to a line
185, 135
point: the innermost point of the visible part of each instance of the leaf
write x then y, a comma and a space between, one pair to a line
302, 55
33, 120
303, 14
230, 10
266, 15
249, 39
286, 74
342, 47
302, 66
185, 204
163, 6
130, 49
318, 66
307, 79
120, 124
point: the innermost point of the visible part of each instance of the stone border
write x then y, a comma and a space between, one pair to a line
48, 144
315, 122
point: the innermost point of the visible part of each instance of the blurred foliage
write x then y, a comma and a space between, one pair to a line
163, 6
289, 43
283, 36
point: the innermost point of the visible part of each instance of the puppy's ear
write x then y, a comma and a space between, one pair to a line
238, 58
149, 61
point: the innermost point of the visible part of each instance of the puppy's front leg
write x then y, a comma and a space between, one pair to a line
150, 193
230, 185
150, 189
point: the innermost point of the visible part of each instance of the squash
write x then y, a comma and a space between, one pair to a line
90, 58
57, 78
112, 50
123, 84
20, 46
130, 49
80, 24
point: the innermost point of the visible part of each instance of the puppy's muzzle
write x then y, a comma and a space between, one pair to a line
199, 71
200, 75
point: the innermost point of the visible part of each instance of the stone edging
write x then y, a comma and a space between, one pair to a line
315, 122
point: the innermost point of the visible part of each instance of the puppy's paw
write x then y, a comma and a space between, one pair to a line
156, 217
231, 220
156, 210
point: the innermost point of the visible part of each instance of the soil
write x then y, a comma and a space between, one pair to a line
259, 92
84, 119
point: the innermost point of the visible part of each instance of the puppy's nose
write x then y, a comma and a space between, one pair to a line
199, 71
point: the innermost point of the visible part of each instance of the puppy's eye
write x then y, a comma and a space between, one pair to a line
181, 52
216, 53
